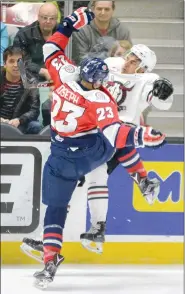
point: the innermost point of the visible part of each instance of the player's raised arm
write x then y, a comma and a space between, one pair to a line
120, 134
53, 50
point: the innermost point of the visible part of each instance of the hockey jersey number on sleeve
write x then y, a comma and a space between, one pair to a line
104, 113
58, 62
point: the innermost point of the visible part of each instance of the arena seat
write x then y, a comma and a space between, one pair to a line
45, 131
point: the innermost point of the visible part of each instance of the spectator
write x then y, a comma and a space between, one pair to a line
18, 107
104, 24
32, 38
4, 40
120, 48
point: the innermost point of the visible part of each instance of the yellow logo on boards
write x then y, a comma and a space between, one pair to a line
170, 198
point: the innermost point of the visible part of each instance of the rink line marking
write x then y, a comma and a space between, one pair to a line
121, 238
114, 253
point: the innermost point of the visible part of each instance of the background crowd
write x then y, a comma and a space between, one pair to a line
28, 109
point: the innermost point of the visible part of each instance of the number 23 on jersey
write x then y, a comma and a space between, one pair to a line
64, 116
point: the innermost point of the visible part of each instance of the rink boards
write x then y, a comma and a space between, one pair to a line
136, 232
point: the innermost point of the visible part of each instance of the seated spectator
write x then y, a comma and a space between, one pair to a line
104, 24
18, 107
119, 48
32, 38
4, 40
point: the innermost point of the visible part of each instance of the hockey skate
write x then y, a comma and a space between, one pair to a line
150, 188
93, 239
46, 276
33, 249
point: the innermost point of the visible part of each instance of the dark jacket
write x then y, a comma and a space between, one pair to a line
30, 39
85, 39
27, 105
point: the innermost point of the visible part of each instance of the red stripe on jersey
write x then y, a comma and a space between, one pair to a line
58, 236
81, 22
122, 136
98, 192
138, 168
51, 248
59, 40
127, 156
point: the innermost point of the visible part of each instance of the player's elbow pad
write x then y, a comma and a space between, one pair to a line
139, 137
117, 134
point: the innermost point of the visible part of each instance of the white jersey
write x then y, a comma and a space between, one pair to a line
137, 95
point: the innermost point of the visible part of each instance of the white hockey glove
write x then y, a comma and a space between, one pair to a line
79, 18
148, 137
162, 89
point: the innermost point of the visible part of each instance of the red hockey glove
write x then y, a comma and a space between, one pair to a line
79, 18
148, 137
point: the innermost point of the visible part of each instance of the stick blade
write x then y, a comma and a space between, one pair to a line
22, 70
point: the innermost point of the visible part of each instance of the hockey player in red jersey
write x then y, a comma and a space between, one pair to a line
85, 132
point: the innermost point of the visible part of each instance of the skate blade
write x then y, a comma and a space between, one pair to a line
41, 284
38, 256
95, 247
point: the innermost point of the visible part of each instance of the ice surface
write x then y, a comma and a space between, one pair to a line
99, 279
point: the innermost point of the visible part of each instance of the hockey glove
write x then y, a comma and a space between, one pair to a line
148, 137
162, 89
79, 18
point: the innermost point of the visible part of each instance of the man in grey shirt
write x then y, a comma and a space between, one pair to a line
104, 24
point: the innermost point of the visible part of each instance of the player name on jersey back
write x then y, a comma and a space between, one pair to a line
65, 92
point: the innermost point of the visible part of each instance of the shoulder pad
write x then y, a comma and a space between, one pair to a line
114, 64
68, 73
96, 96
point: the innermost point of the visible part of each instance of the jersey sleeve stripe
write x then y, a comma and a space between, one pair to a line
59, 40
124, 136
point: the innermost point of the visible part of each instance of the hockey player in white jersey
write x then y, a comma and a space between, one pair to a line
135, 88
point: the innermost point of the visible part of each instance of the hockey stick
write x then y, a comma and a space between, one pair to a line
32, 84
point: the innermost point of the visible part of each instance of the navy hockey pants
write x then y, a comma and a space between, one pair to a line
70, 159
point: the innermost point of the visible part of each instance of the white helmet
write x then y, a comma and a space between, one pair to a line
146, 55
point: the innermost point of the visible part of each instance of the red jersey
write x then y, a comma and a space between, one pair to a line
75, 111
